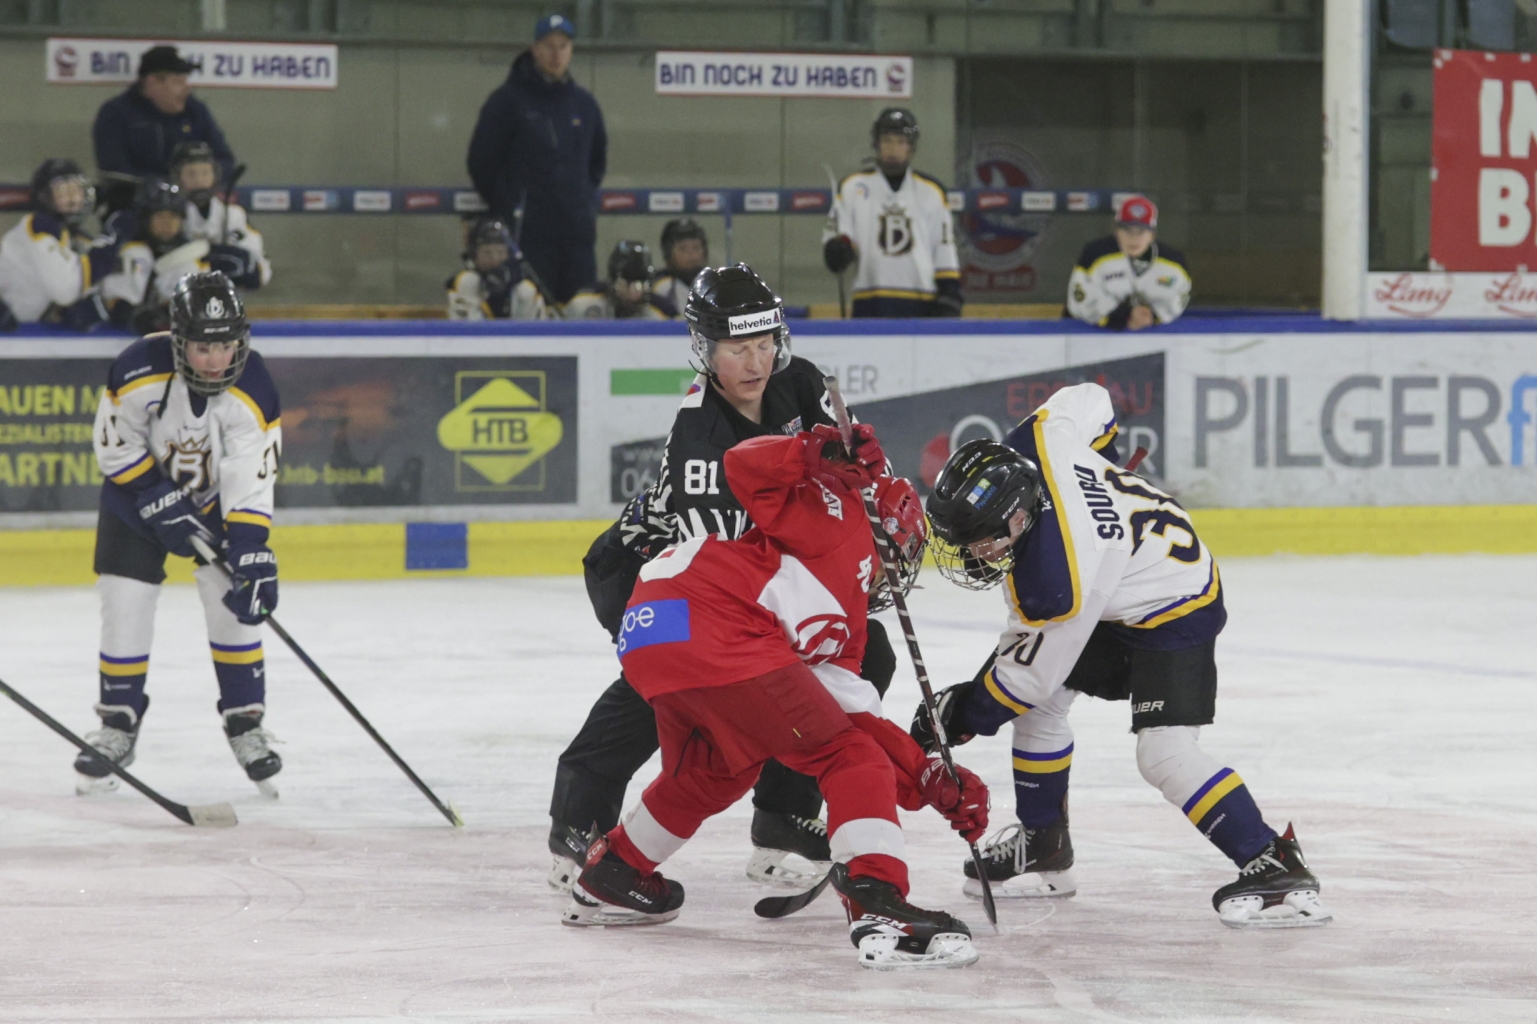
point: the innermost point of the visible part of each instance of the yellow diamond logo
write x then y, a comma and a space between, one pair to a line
501, 430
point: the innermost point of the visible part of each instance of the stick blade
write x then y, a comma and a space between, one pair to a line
212, 816
773, 907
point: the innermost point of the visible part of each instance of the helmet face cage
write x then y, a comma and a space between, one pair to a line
630, 261
678, 230
53, 172
194, 153
207, 309
906, 533
982, 486
957, 564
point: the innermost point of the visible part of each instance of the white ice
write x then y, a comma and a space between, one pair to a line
1388, 707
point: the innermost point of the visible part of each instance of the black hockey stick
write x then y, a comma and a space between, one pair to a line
889, 564
229, 195
448, 812
206, 815
783, 906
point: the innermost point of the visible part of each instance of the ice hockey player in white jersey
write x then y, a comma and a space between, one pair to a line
153, 259
627, 296
1129, 280
685, 251
1109, 593
490, 287
188, 438
893, 223
234, 246
47, 265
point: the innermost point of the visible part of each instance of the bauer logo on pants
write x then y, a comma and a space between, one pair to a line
654, 622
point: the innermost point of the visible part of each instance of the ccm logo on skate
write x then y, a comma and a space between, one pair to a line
1147, 705
654, 622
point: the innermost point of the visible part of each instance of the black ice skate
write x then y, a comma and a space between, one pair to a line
569, 848
247, 738
611, 892
777, 836
892, 934
114, 741
1274, 890
1026, 863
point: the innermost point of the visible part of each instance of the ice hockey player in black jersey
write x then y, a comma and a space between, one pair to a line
188, 438
749, 385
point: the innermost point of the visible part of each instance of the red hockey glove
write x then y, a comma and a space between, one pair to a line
827, 461
964, 806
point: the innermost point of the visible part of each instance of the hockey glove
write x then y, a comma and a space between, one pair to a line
85, 314
238, 264
829, 462
253, 593
947, 703
838, 253
947, 298
964, 806
170, 514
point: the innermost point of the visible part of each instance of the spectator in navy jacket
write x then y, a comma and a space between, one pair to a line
137, 129
540, 147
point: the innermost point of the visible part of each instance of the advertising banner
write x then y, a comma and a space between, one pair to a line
823, 75
1437, 295
1483, 161
47, 408
77, 61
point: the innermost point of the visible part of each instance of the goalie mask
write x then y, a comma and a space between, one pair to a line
901, 515
730, 303
207, 309
982, 485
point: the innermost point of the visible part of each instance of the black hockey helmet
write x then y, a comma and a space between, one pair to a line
206, 308
488, 231
194, 153
630, 261
156, 196
975, 495
678, 229
733, 302
895, 121
52, 172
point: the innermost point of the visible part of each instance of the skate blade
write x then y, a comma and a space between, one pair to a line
770, 867
1032, 885
267, 788
90, 785
1299, 909
581, 913
562, 875
946, 950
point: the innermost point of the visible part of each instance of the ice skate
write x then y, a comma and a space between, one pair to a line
610, 892
1026, 863
1274, 890
777, 837
250, 742
568, 848
892, 934
115, 741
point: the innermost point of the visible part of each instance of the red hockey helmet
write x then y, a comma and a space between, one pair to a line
903, 522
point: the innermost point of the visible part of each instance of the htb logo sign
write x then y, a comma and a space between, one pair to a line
501, 432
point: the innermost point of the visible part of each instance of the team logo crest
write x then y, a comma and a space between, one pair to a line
188, 462
215, 308
896, 231
821, 637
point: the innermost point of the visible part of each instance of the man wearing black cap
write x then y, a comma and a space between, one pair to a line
136, 130
538, 154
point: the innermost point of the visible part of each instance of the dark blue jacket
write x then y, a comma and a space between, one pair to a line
133, 136
541, 144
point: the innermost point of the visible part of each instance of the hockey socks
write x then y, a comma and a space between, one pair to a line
241, 671
1214, 798
1040, 784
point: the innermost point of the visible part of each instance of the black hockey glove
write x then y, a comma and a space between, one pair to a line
839, 254
946, 702
7, 318
170, 514
86, 314
947, 300
253, 593
238, 264
150, 318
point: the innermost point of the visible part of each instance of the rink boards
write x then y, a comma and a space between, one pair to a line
502, 449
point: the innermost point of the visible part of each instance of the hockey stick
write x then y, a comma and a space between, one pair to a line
229, 195
1136, 459
783, 906
205, 815
447, 810
843, 302
889, 564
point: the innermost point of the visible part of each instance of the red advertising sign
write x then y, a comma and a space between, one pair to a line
1483, 178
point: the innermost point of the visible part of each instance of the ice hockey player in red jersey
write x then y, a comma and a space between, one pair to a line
749, 650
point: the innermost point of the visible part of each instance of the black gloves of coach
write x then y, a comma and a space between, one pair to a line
170, 514
253, 593
947, 702
839, 254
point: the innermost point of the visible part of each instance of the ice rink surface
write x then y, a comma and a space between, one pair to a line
1387, 706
